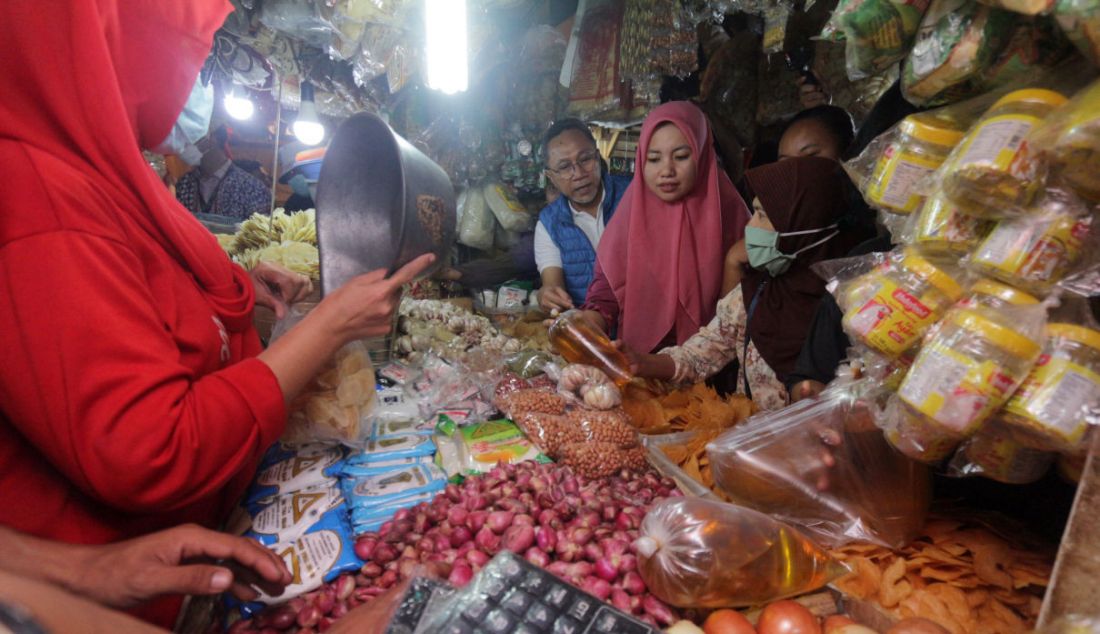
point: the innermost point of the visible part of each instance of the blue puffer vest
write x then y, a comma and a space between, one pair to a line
578, 258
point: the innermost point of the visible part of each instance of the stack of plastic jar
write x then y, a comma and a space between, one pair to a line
980, 180
1051, 408
941, 228
1035, 252
890, 309
963, 374
922, 145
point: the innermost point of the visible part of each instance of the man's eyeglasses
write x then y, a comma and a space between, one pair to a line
584, 163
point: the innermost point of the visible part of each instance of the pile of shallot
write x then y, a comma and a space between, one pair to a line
579, 529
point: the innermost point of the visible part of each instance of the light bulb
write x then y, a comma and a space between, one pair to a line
237, 106
445, 34
309, 132
307, 127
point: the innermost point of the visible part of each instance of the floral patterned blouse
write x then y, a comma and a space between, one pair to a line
718, 343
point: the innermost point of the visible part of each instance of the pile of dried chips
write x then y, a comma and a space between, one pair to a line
654, 411
961, 575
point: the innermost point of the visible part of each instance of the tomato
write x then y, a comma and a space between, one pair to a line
727, 622
787, 617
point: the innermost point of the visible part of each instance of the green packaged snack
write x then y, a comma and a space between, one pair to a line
1080, 20
878, 32
958, 40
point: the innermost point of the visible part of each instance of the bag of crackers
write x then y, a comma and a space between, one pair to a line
334, 406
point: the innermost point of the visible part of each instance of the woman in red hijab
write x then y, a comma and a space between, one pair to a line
659, 266
803, 219
134, 393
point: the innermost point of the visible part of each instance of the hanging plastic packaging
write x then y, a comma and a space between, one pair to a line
1065, 151
476, 227
1059, 399
942, 229
1080, 21
878, 33
707, 554
889, 309
963, 374
1036, 251
822, 465
996, 454
508, 210
978, 176
958, 40
920, 146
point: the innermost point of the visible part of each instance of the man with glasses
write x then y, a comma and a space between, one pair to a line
569, 228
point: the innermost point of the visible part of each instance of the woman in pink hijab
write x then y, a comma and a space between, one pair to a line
659, 266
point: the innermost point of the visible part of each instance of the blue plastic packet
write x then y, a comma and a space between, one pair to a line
374, 468
375, 490
375, 515
293, 515
382, 428
393, 448
297, 472
325, 552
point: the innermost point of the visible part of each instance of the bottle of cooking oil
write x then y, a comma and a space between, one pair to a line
576, 339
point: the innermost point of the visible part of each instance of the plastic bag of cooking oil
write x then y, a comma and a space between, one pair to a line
822, 465
698, 553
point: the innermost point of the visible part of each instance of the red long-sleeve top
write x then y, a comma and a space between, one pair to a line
130, 398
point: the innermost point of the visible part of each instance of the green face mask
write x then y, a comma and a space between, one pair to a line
764, 255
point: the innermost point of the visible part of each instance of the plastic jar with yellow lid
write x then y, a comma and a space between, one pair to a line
1074, 155
995, 453
889, 309
1034, 252
986, 293
1051, 408
941, 228
978, 178
923, 143
963, 374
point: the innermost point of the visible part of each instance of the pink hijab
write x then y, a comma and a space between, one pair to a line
664, 261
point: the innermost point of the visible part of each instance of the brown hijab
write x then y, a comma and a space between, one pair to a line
798, 194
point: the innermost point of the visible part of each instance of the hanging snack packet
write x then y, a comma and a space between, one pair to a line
878, 32
1080, 20
957, 41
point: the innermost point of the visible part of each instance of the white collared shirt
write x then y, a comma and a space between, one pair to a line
548, 255
209, 184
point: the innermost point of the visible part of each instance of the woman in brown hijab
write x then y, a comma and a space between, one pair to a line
801, 218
